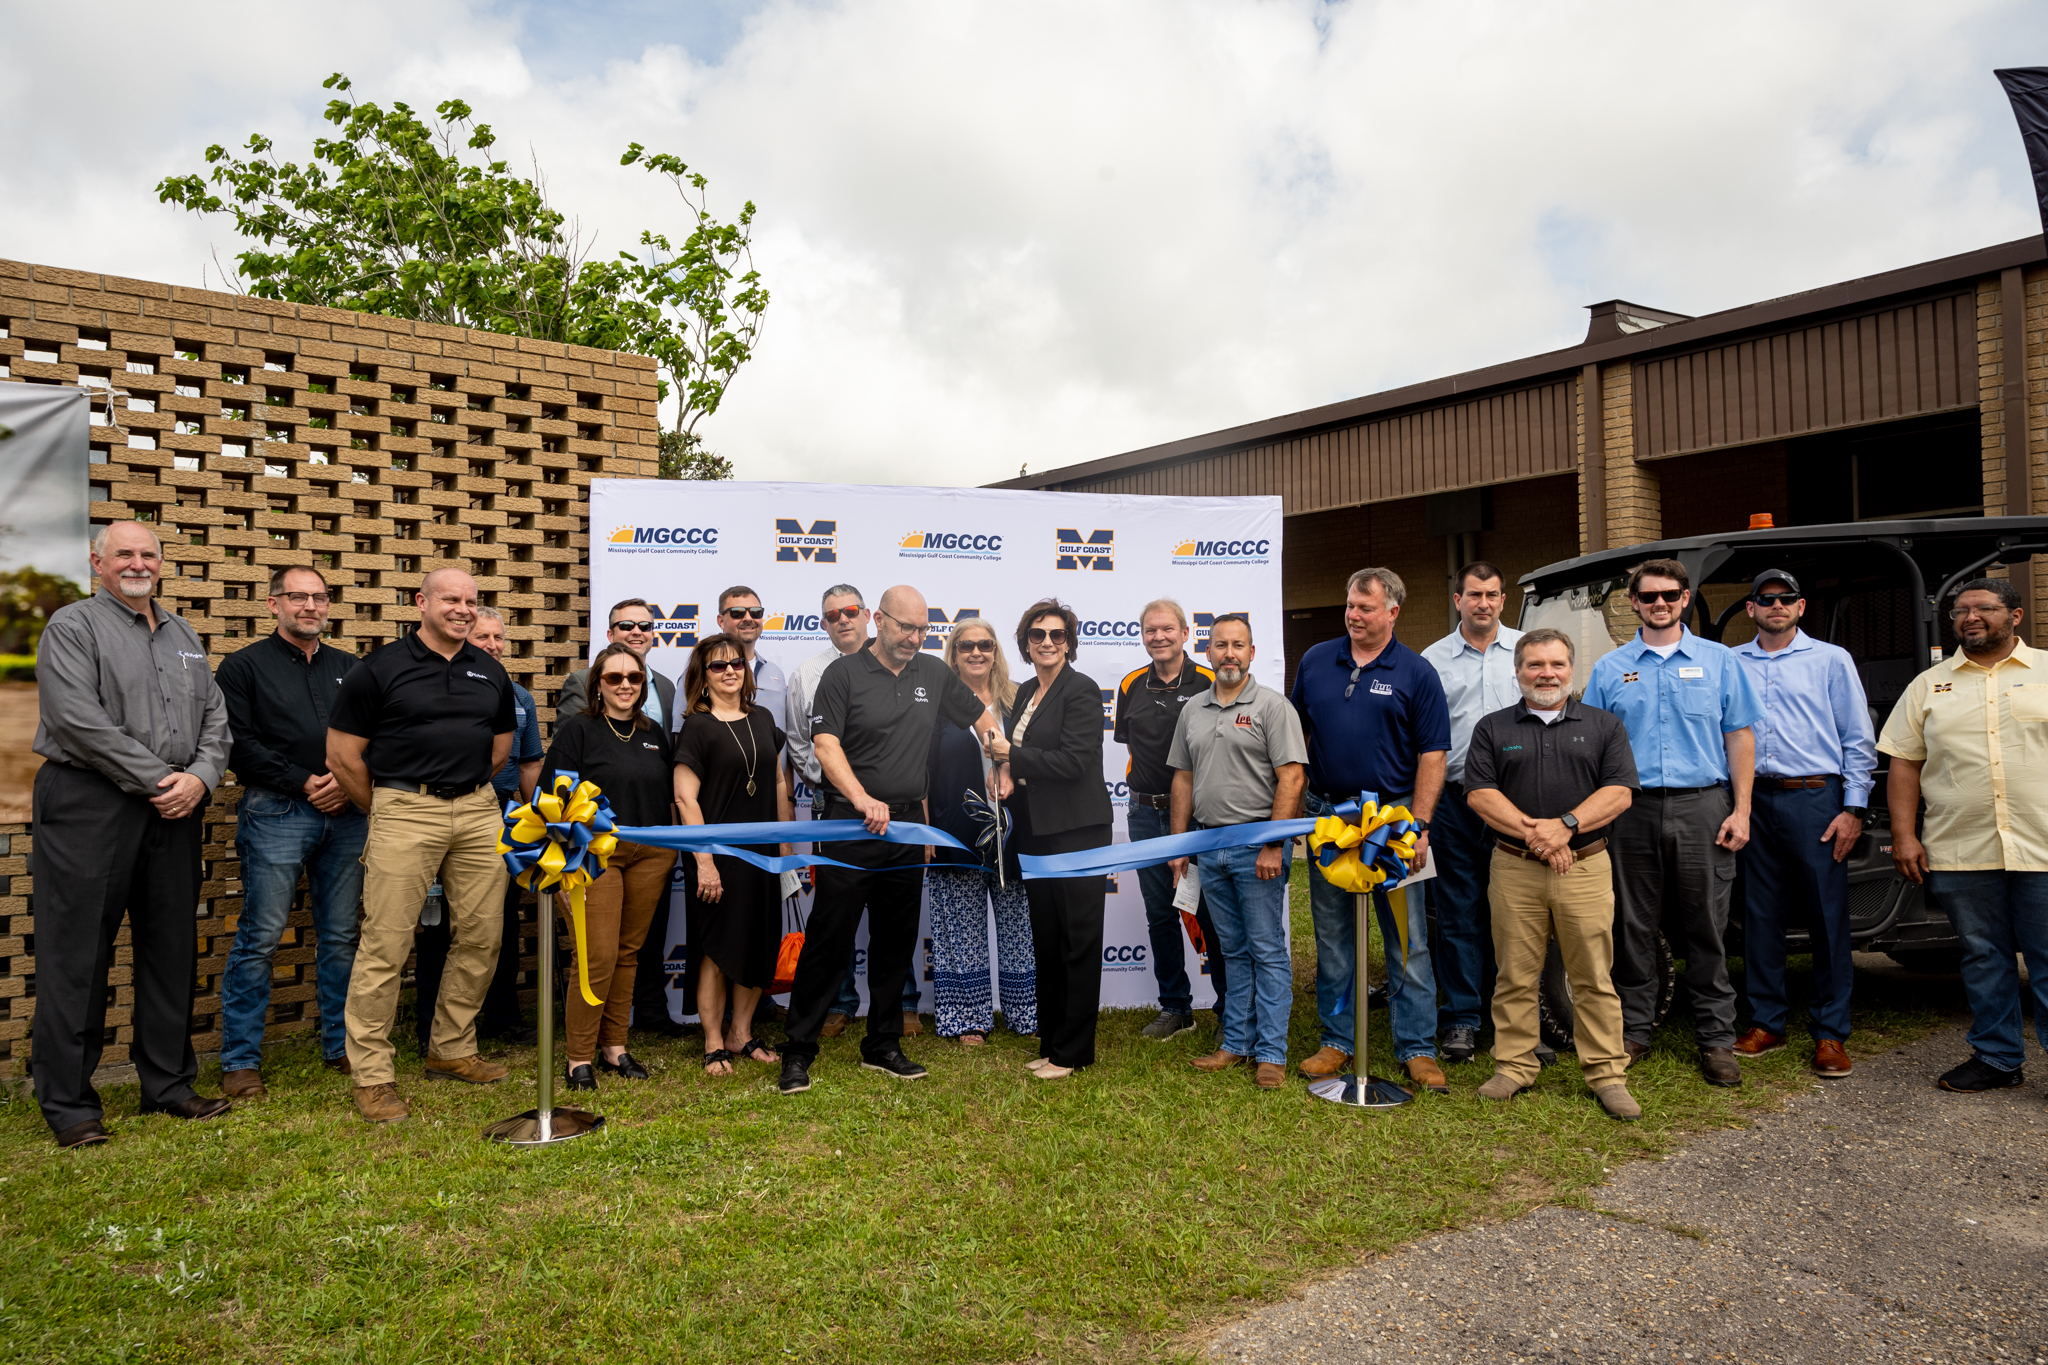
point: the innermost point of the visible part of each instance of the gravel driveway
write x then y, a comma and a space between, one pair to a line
1877, 1219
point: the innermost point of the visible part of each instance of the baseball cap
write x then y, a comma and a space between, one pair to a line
1775, 576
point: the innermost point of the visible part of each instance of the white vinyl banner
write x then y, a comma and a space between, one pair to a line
972, 552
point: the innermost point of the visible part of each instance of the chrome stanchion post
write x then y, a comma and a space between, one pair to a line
545, 1125
1359, 1088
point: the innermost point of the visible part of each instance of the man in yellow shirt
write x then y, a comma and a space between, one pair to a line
1971, 735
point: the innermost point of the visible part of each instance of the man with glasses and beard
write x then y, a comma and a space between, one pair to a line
631, 624
741, 614
1971, 736
1689, 707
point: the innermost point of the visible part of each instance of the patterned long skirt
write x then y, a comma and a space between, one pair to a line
960, 914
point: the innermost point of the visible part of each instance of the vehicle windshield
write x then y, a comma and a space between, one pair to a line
1596, 615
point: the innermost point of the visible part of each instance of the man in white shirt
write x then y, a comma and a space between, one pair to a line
1477, 664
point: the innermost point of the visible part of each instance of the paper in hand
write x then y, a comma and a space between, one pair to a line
792, 884
1188, 894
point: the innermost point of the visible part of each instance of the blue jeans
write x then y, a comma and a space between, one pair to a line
276, 838
1414, 1009
1784, 865
1997, 915
1162, 921
1251, 929
1462, 946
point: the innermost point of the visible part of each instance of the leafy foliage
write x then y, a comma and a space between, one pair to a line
684, 456
27, 598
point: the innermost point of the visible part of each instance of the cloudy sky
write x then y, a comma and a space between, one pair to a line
1001, 233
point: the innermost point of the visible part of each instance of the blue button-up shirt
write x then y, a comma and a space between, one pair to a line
1370, 739
526, 745
1676, 709
1816, 718
1476, 683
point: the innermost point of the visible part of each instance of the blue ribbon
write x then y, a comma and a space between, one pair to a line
724, 839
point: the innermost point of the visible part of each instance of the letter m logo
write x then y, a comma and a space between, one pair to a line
678, 629
795, 545
938, 625
1097, 551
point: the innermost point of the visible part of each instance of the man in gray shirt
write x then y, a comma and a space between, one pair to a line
135, 734
1237, 759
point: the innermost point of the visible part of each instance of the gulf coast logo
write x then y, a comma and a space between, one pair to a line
1196, 550
797, 544
949, 545
1095, 551
675, 628
939, 627
792, 625
673, 540
1204, 621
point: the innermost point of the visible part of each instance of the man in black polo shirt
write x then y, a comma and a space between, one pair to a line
294, 818
418, 730
871, 728
1547, 773
1148, 706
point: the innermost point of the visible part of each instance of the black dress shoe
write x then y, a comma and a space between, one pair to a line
1717, 1066
627, 1068
191, 1107
894, 1063
582, 1078
1978, 1075
88, 1134
796, 1075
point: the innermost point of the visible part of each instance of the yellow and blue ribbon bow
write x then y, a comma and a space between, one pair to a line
561, 840
1365, 847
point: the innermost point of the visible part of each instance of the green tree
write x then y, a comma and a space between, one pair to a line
27, 597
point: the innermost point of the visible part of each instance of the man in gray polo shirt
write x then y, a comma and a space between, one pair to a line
1237, 759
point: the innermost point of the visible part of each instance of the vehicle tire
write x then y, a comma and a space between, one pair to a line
1554, 996
1931, 961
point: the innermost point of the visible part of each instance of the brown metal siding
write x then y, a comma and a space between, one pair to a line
1900, 362
1522, 434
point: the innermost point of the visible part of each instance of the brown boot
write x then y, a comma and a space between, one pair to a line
912, 1025
243, 1083
381, 1103
338, 1064
1218, 1060
1426, 1073
1618, 1103
835, 1024
1271, 1076
1636, 1052
1327, 1062
472, 1070
1831, 1059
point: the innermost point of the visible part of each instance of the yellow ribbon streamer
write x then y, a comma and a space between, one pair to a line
554, 840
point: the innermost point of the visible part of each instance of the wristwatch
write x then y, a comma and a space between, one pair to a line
1860, 812
1569, 821
1422, 825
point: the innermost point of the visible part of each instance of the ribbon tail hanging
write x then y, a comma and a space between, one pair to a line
576, 923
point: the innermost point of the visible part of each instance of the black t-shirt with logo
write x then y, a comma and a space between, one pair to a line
884, 721
1146, 712
1546, 770
428, 719
632, 765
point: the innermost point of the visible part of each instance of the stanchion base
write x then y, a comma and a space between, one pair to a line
525, 1130
1375, 1093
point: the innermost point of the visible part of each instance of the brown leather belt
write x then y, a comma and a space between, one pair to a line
1578, 854
1155, 802
1792, 784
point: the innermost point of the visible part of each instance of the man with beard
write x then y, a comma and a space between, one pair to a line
1814, 757
135, 736
294, 819
1971, 736
1548, 773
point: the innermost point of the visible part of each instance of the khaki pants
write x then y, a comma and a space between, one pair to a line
617, 910
1529, 902
412, 839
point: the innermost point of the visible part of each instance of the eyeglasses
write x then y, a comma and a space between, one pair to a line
835, 616
299, 599
1960, 613
1777, 599
632, 625
742, 613
977, 646
905, 626
620, 679
1671, 595
721, 665
1037, 635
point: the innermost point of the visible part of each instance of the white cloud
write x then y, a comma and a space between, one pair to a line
998, 233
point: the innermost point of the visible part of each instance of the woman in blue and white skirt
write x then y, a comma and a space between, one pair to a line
963, 885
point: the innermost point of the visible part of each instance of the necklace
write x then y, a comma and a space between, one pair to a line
750, 752
626, 738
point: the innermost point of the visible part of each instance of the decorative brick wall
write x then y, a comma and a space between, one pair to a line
257, 434
1635, 509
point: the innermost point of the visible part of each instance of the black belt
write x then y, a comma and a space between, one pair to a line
442, 791
1155, 802
1794, 784
1679, 791
1578, 854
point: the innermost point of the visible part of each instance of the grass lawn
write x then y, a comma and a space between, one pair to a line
977, 1215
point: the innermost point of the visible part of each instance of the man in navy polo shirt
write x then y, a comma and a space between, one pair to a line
1377, 721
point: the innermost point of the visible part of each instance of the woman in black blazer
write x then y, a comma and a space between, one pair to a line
1054, 748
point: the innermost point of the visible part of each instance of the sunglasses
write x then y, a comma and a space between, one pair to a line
632, 625
1776, 599
834, 617
618, 679
1671, 595
977, 646
721, 665
1039, 636
742, 613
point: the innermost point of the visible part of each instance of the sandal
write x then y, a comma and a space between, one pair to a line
973, 1037
755, 1045
716, 1057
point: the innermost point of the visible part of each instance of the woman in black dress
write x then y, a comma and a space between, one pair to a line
613, 744
728, 771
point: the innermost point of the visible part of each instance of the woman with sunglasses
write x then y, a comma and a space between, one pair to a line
612, 743
729, 771
1054, 750
962, 885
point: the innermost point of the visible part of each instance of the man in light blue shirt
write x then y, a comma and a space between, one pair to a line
1815, 752
1688, 706
1477, 665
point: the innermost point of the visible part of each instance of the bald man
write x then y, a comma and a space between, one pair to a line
134, 736
418, 728
871, 722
